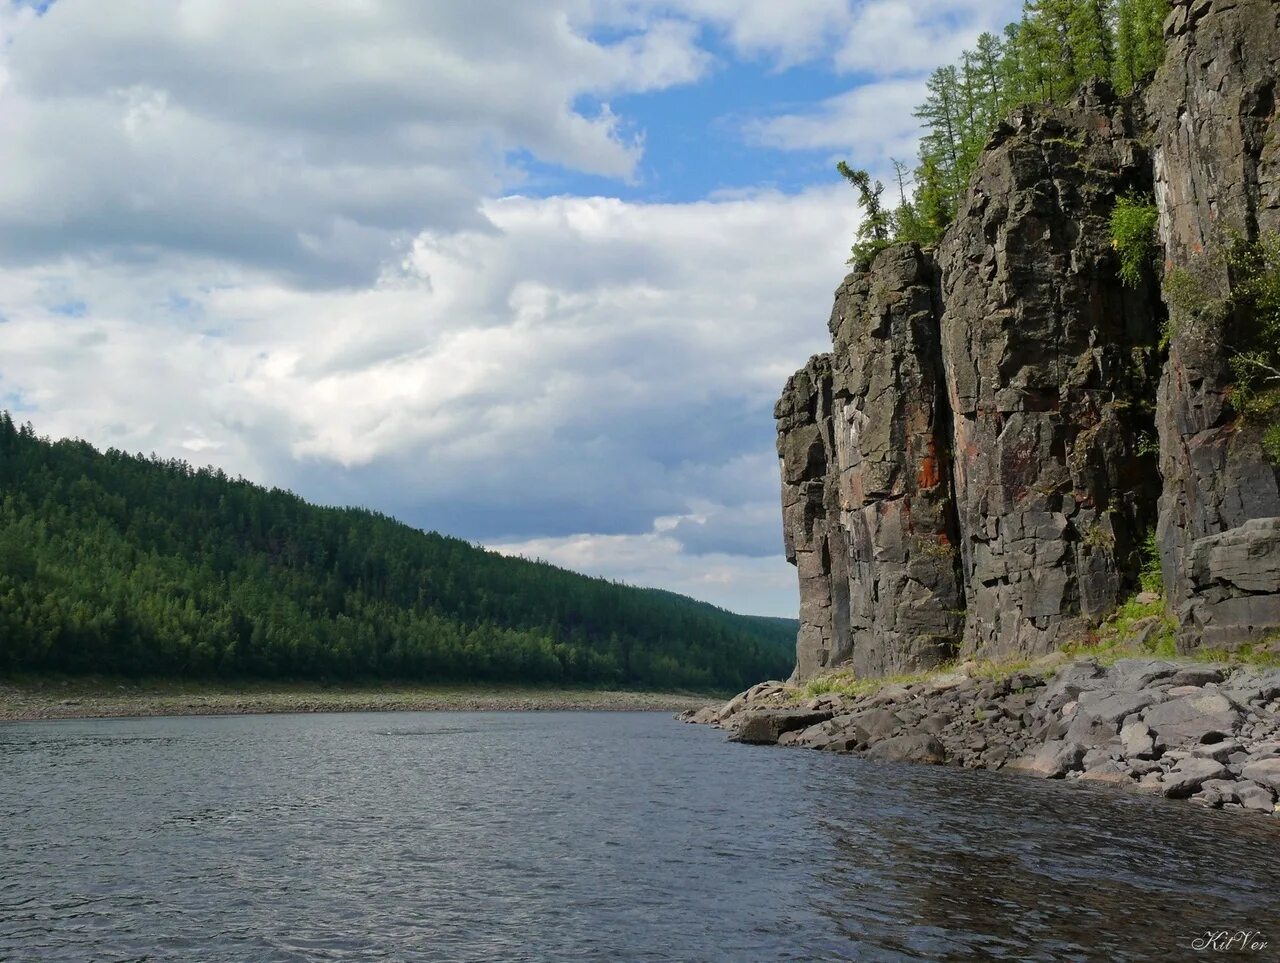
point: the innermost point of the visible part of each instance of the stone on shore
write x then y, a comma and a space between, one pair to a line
764, 728
1264, 771
1193, 718
1190, 774
913, 747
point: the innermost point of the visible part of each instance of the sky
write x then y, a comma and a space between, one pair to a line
530, 274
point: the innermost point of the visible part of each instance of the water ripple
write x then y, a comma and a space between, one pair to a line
579, 836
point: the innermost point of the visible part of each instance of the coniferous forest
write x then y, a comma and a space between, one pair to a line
116, 563
1043, 58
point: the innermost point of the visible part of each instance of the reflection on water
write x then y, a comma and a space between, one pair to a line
581, 837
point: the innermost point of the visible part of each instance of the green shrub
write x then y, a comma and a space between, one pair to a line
1151, 576
1255, 356
1133, 235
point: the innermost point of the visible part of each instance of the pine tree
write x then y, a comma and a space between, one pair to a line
873, 232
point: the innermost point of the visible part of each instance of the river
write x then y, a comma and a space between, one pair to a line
583, 836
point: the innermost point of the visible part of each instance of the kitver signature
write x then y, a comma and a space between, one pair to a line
1225, 940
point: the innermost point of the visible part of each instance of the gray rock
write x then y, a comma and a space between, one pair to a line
1069, 682
935, 723
1137, 741
1264, 771
1193, 718
878, 723
1095, 758
1114, 706
1209, 798
867, 507
1190, 774
1133, 674
912, 747
1052, 760
1151, 782
1141, 767
1089, 732
1107, 773
1197, 675
1254, 796
1225, 788
1219, 751
765, 727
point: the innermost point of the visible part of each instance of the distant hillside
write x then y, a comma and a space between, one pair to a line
111, 562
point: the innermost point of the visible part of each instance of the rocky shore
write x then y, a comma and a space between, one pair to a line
1186, 730
28, 700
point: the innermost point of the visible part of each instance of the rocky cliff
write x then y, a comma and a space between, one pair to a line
1217, 169
972, 468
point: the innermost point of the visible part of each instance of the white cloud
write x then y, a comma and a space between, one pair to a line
896, 37
305, 138
790, 33
873, 122
891, 46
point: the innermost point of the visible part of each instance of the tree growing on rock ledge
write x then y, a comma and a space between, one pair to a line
873, 232
1044, 57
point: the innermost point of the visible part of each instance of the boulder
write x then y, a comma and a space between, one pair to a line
878, 723
1197, 675
765, 726
912, 747
1052, 760
1254, 796
1264, 771
1190, 774
1196, 718
1107, 773
1089, 732
1137, 741
1111, 707
1067, 684
1133, 674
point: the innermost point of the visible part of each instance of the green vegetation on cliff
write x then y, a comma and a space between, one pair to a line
116, 563
1043, 58
1246, 319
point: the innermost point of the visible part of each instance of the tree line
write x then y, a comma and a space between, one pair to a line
1044, 57
116, 563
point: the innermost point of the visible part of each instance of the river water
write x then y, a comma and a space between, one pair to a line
583, 836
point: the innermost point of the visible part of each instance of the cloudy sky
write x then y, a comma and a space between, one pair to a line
531, 274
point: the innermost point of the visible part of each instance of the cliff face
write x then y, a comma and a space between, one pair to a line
966, 472
1046, 353
1217, 164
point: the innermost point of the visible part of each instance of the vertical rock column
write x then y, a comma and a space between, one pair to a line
1049, 358
893, 459
815, 542
1217, 160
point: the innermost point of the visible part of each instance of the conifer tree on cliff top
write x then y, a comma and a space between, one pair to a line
1044, 57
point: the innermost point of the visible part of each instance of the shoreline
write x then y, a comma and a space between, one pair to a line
1182, 729
34, 699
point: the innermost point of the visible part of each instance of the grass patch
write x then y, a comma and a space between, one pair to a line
845, 683
1117, 637
1264, 654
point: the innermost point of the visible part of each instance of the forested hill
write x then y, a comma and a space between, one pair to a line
116, 563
